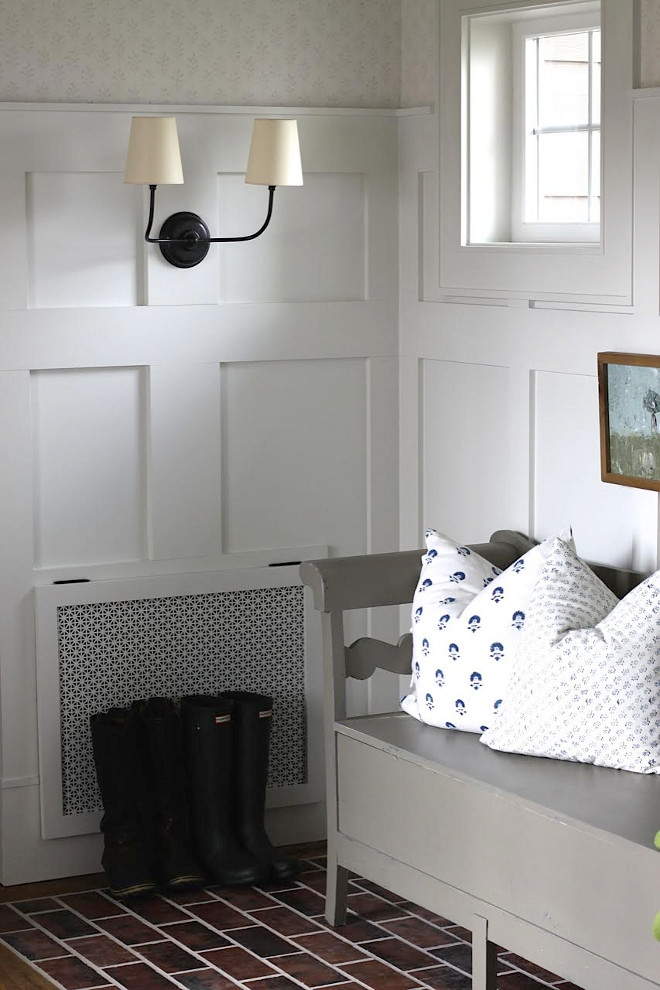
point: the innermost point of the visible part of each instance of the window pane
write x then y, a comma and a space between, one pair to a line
564, 178
564, 79
595, 79
595, 177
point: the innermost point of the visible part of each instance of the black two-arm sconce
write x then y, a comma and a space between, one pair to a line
154, 159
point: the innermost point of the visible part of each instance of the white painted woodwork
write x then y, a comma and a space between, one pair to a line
467, 448
566, 484
184, 460
81, 240
282, 458
89, 450
111, 369
318, 230
57, 824
598, 274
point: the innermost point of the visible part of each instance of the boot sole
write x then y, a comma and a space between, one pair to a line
136, 890
185, 882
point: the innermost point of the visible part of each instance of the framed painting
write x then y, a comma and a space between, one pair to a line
629, 397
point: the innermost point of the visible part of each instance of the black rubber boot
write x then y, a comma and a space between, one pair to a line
209, 743
160, 726
253, 717
117, 759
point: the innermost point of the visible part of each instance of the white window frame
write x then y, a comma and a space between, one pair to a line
523, 167
569, 274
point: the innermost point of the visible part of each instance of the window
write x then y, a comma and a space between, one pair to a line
556, 95
518, 216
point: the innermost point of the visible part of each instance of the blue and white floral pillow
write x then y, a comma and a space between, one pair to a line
585, 685
467, 617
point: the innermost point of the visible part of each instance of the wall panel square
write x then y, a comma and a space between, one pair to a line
294, 454
88, 465
82, 239
313, 251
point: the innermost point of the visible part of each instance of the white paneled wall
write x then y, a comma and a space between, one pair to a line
499, 400
169, 422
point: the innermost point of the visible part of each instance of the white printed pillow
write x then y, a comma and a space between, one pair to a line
467, 617
585, 684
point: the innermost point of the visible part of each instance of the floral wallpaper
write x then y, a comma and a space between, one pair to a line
650, 43
419, 46
333, 53
340, 53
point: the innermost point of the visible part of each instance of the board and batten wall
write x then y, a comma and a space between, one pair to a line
158, 421
499, 421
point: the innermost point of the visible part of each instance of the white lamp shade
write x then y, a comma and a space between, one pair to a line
274, 154
153, 152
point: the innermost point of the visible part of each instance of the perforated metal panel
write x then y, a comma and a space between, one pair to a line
99, 648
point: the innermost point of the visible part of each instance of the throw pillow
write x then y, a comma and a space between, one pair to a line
467, 618
585, 684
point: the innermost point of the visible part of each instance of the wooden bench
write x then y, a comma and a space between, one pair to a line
552, 860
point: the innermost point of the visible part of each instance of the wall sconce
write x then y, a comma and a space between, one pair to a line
154, 159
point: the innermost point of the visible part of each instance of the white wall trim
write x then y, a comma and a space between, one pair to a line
246, 111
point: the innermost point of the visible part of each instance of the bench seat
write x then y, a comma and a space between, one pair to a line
550, 859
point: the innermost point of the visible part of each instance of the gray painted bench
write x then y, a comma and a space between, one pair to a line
553, 860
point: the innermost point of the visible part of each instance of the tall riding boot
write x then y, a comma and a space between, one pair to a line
253, 717
209, 742
117, 760
160, 726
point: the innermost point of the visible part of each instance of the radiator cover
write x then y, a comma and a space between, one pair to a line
108, 643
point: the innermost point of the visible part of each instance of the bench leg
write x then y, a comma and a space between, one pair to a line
336, 890
484, 957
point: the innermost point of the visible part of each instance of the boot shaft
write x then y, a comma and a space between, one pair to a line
115, 745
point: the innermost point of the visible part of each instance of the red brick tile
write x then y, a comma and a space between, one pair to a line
445, 978
373, 908
459, 955
169, 957
375, 888
11, 921
513, 960
129, 930
101, 950
307, 970
65, 924
397, 953
316, 879
244, 898
238, 963
419, 932
38, 904
357, 930
379, 976
140, 977
92, 904
329, 947
195, 936
304, 900
207, 979
518, 981
285, 921
262, 941
220, 915
158, 911
422, 912
72, 973
33, 944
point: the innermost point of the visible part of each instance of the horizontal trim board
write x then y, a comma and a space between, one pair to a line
247, 111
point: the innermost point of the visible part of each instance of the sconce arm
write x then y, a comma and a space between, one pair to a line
205, 239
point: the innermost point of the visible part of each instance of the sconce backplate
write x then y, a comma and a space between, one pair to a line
188, 238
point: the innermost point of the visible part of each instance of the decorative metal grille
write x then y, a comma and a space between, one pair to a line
114, 653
